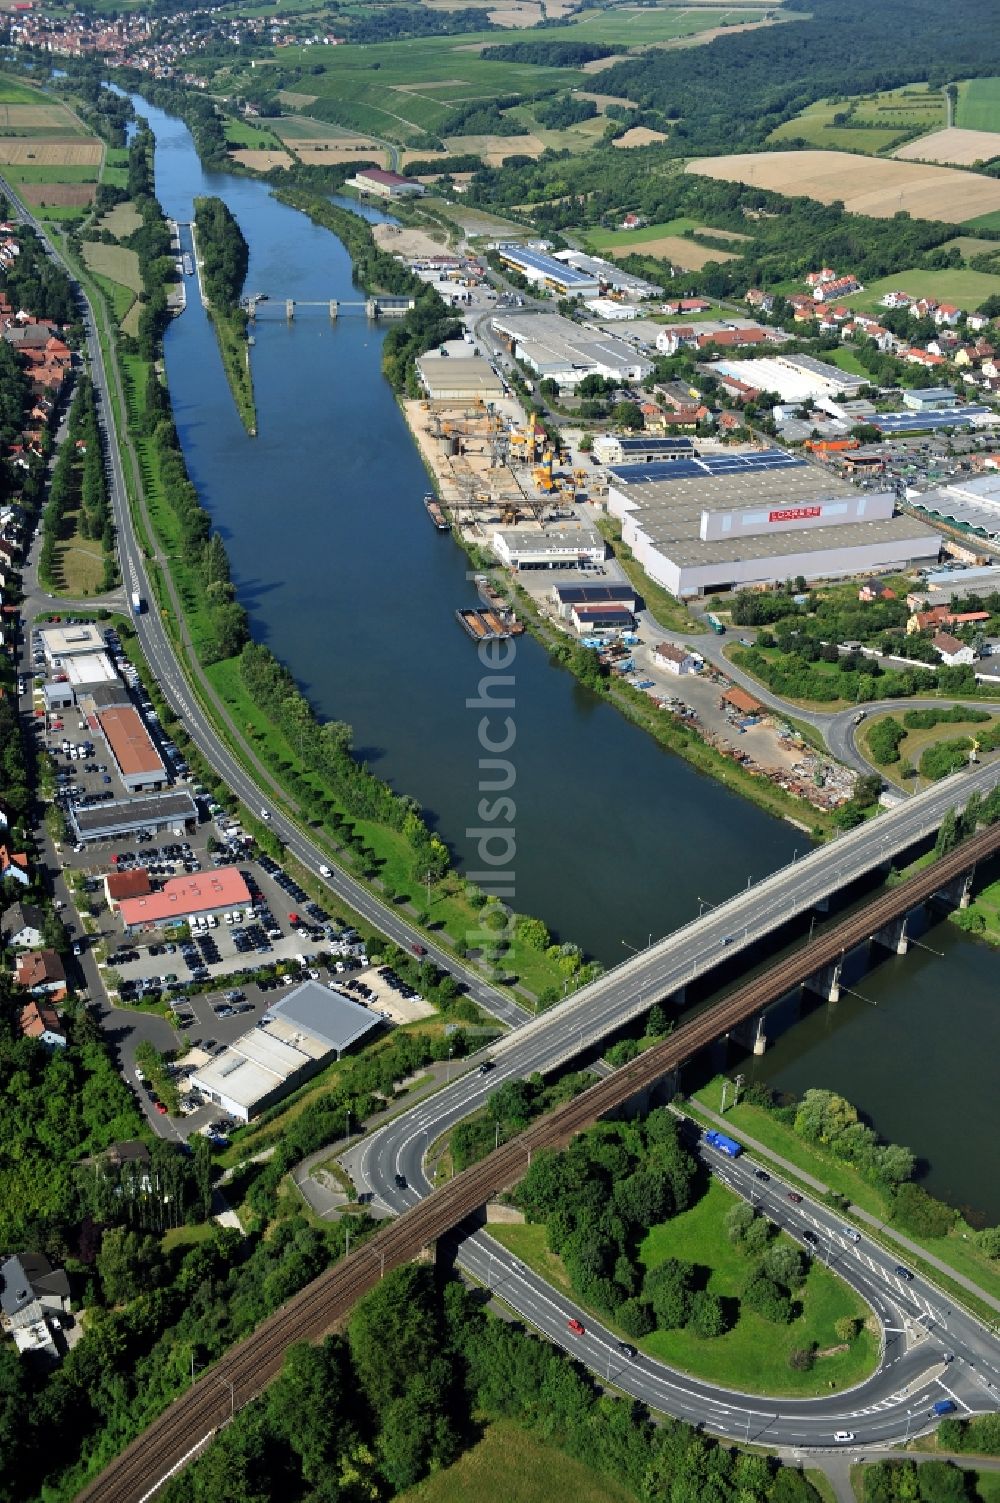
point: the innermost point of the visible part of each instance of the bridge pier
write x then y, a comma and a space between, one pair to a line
289, 308
894, 936
958, 892
826, 982
334, 308
371, 308
750, 1035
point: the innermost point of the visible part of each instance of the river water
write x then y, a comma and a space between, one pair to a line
345, 579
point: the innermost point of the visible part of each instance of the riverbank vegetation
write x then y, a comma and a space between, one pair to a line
223, 258
852, 1177
380, 1416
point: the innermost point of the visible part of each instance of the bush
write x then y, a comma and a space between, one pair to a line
801, 1359
767, 1298
917, 1212
883, 741
635, 1316
707, 1317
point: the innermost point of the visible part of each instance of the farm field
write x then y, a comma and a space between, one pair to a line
879, 187
509, 1465
58, 200
492, 149
121, 221
956, 285
686, 253
962, 148
75, 154
984, 221
979, 104
638, 135
639, 26
261, 160
601, 240
244, 133
878, 121
970, 245
37, 119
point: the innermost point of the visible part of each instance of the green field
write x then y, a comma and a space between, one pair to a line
971, 245
845, 359
753, 1356
28, 172
510, 1466
601, 240
626, 27
241, 133
880, 121
979, 104
13, 92
989, 221
957, 285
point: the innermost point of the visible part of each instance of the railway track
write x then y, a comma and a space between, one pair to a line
246, 1370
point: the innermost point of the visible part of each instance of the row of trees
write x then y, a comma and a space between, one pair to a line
366, 1417
78, 492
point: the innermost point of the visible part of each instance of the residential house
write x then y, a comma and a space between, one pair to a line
632, 222
41, 973
33, 1298
674, 659
123, 884
821, 278
942, 615
896, 300
827, 292
733, 338
949, 314
686, 305
952, 652
39, 1020
764, 301
21, 926
924, 307
874, 589
738, 390
14, 864
976, 321
673, 337
925, 358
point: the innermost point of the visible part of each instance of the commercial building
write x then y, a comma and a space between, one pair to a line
568, 596
729, 520
606, 307
293, 1041
382, 184
893, 424
183, 898
119, 818
919, 399
85, 670
588, 618
560, 350
451, 379
794, 378
674, 659
128, 740
973, 506
70, 641
548, 547
545, 271
614, 448
610, 275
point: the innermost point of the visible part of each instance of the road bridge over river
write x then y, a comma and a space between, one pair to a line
428, 1215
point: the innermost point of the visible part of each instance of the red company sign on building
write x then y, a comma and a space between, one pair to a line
794, 513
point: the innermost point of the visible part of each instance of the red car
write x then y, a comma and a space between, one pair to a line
418, 949
161, 1109
795, 1197
576, 1327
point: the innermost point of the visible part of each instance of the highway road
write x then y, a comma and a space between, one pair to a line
918, 1324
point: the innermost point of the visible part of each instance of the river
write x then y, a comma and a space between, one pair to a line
345, 579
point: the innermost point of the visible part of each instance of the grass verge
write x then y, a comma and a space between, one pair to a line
665, 608
510, 1466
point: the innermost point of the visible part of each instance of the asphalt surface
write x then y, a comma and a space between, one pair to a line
918, 1324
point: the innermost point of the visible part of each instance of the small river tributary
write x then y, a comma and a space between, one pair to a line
345, 579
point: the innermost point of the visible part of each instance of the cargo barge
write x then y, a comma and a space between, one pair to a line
483, 626
435, 513
187, 264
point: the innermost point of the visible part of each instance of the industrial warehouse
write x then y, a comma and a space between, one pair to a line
558, 349
293, 1041
545, 271
712, 523
794, 378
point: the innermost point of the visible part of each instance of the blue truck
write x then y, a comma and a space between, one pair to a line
719, 1141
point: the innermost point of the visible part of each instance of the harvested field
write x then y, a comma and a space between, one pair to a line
866, 185
261, 161
602, 64
603, 100
962, 147
672, 248
123, 220
78, 151
495, 149
58, 195
26, 117
297, 101
406, 157
639, 135
706, 229
294, 128
407, 242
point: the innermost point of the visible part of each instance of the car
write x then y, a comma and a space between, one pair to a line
161, 1108
400, 1181
811, 1238
325, 871
795, 1197
761, 1174
947, 1356
265, 814
850, 1234
418, 949
627, 1349
486, 1066
843, 1435
903, 1273
576, 1326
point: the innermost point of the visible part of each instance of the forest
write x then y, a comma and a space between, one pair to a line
361, 1417
223, 251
